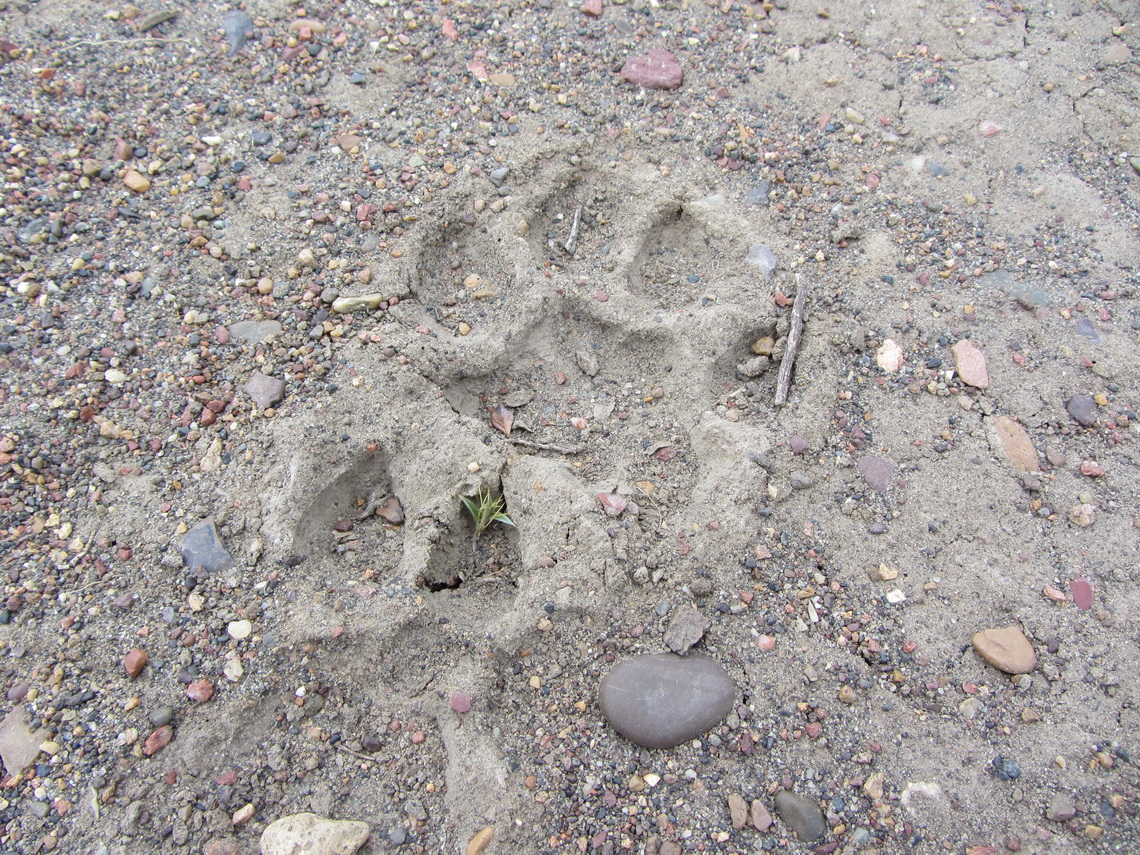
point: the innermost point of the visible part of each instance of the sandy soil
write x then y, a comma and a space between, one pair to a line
933, 173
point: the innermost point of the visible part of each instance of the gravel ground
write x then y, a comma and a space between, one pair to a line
303, 271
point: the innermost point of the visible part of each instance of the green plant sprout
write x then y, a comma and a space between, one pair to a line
486, 508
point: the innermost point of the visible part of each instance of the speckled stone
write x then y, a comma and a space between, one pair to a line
309, 834
657, 69
801, 815
264, 391
971, 364
877, 472
662, 700
1014, 443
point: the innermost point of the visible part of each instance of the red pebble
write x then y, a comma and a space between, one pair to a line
460, 702
200, 690
134, 662
158, 740
1082, 593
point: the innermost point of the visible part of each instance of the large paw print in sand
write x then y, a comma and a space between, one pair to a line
606, 321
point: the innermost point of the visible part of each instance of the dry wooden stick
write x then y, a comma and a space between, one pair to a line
543, 446
785, 378
356, 754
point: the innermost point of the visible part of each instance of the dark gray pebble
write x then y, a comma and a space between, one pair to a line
662, 700
801, 815
1083, 409
201, 547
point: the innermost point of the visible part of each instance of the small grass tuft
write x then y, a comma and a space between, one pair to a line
486, 508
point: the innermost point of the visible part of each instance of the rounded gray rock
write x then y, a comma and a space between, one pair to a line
801, 815
662, 700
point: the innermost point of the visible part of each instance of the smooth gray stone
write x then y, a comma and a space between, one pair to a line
662, 700
801, 815
201, 547
255, 331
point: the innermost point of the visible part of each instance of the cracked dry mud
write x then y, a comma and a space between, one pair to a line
938, 173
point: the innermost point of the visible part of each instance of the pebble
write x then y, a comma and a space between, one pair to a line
971, 364
236, 26
134, 662
158, 740
1082, 594
737, 811
758, 195
19, 746
344, 305
1082, 515
1015, 444
115, 377
801, 480
498, 176
479, 842
657, 69
310, 834
758, 813
136, 181
264, 391
1007, 649
201, 547
254, 332
662, 700
239, 630
1083, 409
162, 715
801, 815
686, 628
877, 472
1061, 808
889, 356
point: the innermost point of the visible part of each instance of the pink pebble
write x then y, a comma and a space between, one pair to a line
601, 296
460, 702
1082, 594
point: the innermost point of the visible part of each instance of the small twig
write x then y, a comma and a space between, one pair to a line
356, 754
102, 42
785, 378
544, 446
572, 241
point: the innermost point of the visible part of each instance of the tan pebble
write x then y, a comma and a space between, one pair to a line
1082, 515
239, 630
1092, 832
846, 694
243, 815
1030, 715
522, 228
480, 840
764, 345
136, 181
311, 24
636, 784
761, 819
1007, 649
882, 573
873, 787
464, 328
738, 811
889, 356
276, 157
1015, 444
971, 364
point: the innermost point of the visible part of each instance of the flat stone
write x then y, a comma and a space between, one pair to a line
759, 816
687, 627
264, 391
201, 547
254, 332
309, 834
1007, 649
971, 364
737, 811
877, 472
662, 700
1082, 594
657, 69
19, 745
758, 195
134, 662
1061, 808
801, 815
1010, 439
1083, 409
